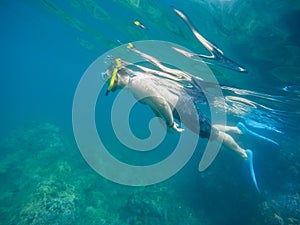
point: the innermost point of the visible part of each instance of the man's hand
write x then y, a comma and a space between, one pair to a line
176, 127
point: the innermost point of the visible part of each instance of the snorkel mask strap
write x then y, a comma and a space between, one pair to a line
114, 75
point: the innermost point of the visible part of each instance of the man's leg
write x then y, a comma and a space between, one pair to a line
232, 129
230, 143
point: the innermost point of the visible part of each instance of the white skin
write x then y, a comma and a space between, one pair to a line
147, 93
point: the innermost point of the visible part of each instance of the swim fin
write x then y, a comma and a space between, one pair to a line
250, 162
245, 130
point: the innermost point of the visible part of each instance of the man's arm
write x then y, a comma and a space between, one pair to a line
162, 109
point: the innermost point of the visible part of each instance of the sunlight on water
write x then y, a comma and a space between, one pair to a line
92, 9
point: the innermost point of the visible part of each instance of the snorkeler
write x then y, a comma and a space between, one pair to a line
169, 105
168, 100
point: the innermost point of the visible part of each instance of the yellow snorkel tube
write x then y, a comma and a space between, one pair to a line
114, 75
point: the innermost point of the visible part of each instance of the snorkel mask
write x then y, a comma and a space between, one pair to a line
114, 75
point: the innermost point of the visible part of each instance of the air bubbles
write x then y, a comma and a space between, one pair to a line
293, 89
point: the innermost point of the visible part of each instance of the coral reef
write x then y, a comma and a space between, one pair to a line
46, 182
51, 186
49, 206
38, 176
52, 200
280, 210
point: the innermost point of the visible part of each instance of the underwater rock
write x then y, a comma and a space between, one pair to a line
51, 188
269, 214
40, 182
55, 211
52, 203
282, 209
290, 164
142, 211
155, 205
52, 211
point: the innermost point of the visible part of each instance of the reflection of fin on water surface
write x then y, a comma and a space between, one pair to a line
216, 56
259, 125
139, 24
245, 130
250, 162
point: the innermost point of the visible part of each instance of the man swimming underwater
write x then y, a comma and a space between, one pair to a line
169, 99
169, 103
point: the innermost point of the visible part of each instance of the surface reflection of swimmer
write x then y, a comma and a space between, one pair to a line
168, 99
216, 57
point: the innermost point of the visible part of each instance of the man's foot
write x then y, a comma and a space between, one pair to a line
244, 155
237, 130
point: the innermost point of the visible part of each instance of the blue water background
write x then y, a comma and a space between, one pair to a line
46, 46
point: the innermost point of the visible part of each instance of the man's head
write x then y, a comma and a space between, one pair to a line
118, 76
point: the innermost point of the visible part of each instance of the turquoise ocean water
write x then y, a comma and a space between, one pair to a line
46, 46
